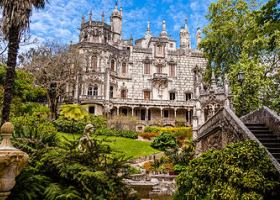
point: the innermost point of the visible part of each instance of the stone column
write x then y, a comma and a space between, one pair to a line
118, 110
132, 111
107, 84
146, 114
175, 114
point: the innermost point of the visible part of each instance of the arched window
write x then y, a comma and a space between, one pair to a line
124, 68
90, 91
146, 68
112, 65
95, 91
111, 92
94, 63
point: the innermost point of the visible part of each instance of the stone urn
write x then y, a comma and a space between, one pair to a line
12, 161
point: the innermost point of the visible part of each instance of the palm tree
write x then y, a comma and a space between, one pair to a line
15, 21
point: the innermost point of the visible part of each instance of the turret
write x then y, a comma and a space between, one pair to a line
163, 33
185, 40
148, 32
90, 17
116, 23
198, 37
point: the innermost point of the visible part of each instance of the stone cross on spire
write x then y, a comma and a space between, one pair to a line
163, 32
186, 24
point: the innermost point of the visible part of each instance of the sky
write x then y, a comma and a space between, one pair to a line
61, 19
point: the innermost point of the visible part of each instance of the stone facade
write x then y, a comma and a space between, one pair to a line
152, 79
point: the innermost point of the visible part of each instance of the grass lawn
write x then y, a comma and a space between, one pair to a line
130, 147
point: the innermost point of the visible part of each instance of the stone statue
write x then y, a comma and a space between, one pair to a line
84, 141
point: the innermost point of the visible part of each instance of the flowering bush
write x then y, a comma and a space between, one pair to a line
149, 135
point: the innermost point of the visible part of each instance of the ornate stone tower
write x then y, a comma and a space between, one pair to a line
198, 37
116, 23
185, 40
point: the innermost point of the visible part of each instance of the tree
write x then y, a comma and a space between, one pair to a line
55, 67
16, 19
240, 171
240, 31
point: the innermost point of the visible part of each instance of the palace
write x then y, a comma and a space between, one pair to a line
150, 79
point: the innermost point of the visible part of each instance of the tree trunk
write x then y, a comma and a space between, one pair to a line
13, 46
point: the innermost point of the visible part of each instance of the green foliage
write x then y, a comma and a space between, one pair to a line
164, 142
72, 126
117, 133
64, 172
240, 171
73, 112
175, 131
244, 35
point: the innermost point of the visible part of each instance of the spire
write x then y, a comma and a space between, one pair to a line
186, 24
163, 32
213, 80
90, 16
83, 20
149, 26
116, 5
103, 17
198, 36
121, 11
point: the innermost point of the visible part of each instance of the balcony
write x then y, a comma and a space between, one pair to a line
160, 76
85, 99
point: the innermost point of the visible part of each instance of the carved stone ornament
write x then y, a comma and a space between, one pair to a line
12, 161
160, 62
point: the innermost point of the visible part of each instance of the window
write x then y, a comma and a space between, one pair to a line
159, 69
171, 45
123, 94
147, 95
90, 91
124, 70
172, 96
94, 63
91, 110
112, 65
111, 92
165, 113
146, 68
95, 91
160, 50
188, 96
172, 70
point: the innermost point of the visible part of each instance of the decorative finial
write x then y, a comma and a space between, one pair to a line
213, 80
83, 19
90, 16
149, 26
163, 25
186, 24
103, 17
198, 36
7, 130
116, 4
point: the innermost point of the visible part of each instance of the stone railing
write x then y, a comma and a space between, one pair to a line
224, 128
152, 102
264, 116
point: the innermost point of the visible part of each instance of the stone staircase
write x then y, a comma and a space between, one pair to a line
267, 138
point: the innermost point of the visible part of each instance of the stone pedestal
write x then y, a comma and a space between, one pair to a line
12, 161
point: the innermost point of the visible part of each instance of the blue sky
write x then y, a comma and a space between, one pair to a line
61, 19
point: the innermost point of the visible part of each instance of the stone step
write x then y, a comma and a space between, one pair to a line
256, 125
258, 128
276, 155
261, 131
264, 136
271, 145
274, 150
269, 140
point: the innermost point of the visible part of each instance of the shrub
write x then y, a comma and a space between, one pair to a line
240, 171
117, 133
164, 141
71, 126
122, 123
149, 135
182, 132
